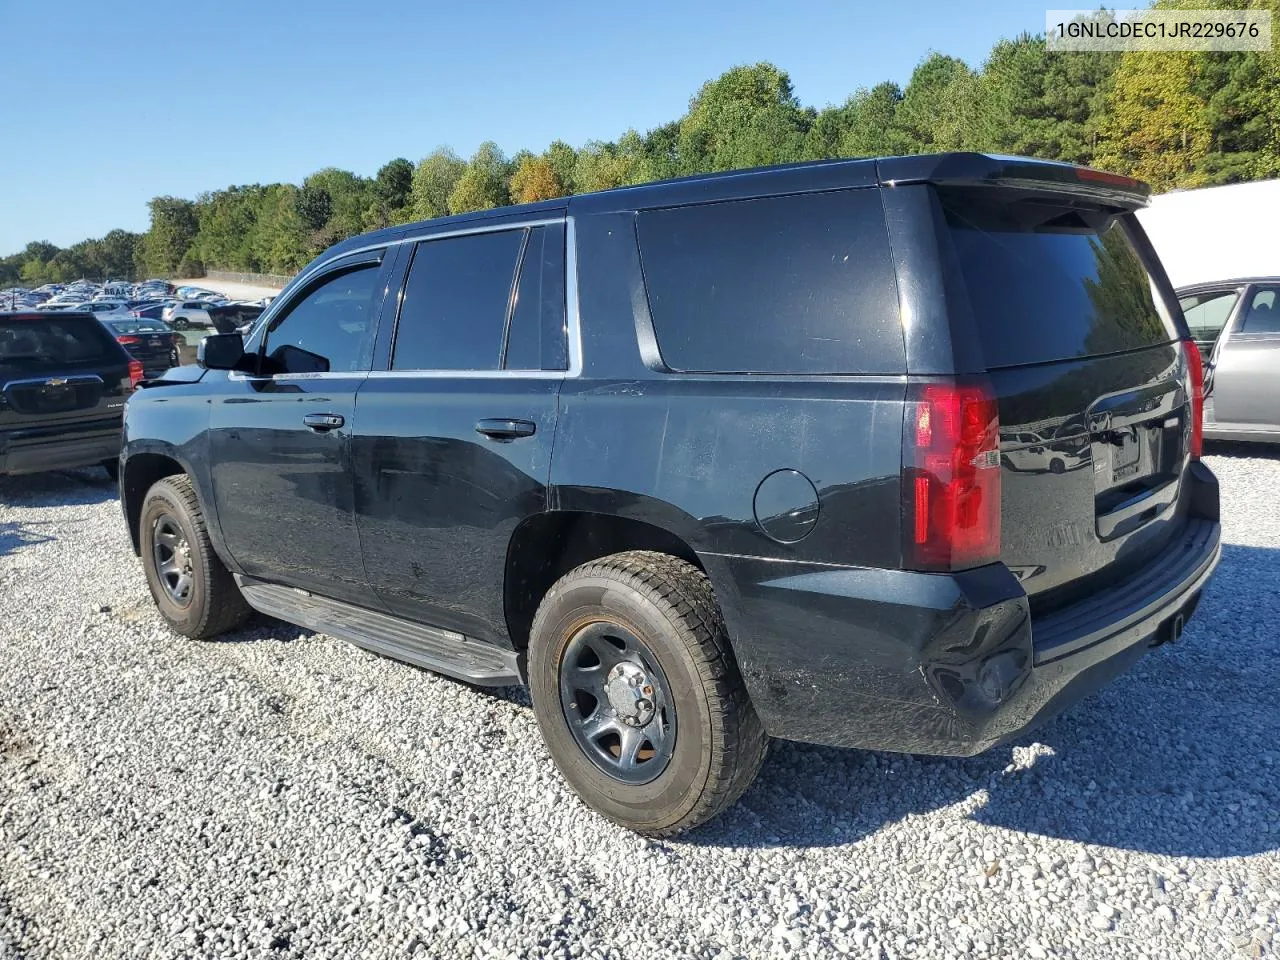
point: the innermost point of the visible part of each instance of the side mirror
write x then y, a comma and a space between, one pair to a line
220, 351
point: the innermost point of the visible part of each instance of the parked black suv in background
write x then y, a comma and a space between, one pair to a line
64, 381
711, 461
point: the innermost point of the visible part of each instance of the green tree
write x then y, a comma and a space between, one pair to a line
872, 128
941, 105
747, 117
174, 226
433, 180
483, 185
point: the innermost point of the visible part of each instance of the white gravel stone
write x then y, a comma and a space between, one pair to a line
279, 794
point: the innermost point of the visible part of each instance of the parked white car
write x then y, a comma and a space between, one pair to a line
186, 314
102, 308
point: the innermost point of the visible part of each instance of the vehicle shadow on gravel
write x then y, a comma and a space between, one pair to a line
1180, 757
61, 488
15, 536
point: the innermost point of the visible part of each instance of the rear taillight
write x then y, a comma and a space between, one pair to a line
135, 372
1195, 369
951, 477
126, 340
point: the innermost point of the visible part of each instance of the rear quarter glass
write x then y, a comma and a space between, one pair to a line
1047, 280
800, 284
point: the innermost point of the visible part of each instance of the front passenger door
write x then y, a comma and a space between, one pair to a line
280, 438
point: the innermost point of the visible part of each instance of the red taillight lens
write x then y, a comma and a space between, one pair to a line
126, 340
951, 483
135, 372
1195, 370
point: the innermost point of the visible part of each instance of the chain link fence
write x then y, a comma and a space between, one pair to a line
256, 279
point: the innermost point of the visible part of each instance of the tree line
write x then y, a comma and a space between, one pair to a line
1171, 119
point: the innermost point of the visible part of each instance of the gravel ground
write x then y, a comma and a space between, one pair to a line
282, 794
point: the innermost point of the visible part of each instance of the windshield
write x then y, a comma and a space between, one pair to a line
138, 326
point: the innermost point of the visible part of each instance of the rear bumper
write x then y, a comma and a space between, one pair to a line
942, 664
62, 446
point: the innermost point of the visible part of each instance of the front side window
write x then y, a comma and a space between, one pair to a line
330, 330
1207, 313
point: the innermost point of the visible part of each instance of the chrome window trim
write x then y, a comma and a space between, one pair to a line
573, 319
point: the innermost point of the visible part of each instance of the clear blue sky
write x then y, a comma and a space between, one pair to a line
110, 104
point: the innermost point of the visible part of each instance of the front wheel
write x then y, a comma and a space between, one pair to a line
192, 589
181, 324
638, 696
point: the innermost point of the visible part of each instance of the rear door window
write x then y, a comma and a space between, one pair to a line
457, 298
1207, 313
798, 284
1049, 282
536, 335
1263, 313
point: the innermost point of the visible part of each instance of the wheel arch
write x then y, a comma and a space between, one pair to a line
548, 545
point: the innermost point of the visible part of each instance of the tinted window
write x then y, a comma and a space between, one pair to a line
800, 284
1263, 315
52, 341
1049, 283
1207, 313
455, 304
536, 338
138, 326
329, 329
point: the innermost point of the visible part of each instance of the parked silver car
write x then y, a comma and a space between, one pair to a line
1237, 325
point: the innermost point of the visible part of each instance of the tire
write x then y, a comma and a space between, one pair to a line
213, 603
113, 469
1057, 466
709, 743
181, 324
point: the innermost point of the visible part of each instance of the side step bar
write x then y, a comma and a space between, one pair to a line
441, 651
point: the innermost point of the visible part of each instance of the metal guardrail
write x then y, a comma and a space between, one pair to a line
257, 279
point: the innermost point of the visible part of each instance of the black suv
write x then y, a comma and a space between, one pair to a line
64, 381
710, 461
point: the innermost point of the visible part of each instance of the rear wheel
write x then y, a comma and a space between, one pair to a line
638, 696
192, 588
181, 323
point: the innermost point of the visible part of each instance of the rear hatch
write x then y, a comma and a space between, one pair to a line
57, 367
1091, 381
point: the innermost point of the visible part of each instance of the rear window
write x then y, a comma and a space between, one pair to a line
138, 326
52, 341
798, 284
1049, 282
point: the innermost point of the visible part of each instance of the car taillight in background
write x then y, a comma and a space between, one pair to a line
126, 340
1195, 370
951, 476
135, 372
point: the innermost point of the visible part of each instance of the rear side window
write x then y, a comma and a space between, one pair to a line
798, 284
1263, 315
1207, 313
456, 300
1049, 282
536, 337
53, 341
485, 301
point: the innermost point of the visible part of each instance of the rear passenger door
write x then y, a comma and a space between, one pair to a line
452, 447
1246, 384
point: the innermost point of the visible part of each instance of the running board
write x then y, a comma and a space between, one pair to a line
441, 651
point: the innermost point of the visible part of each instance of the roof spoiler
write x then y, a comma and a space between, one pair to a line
984, 169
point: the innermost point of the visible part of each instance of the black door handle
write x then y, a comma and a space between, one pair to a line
506, 429
320, 422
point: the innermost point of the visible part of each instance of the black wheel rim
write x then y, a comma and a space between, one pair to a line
617, 702
172, 557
